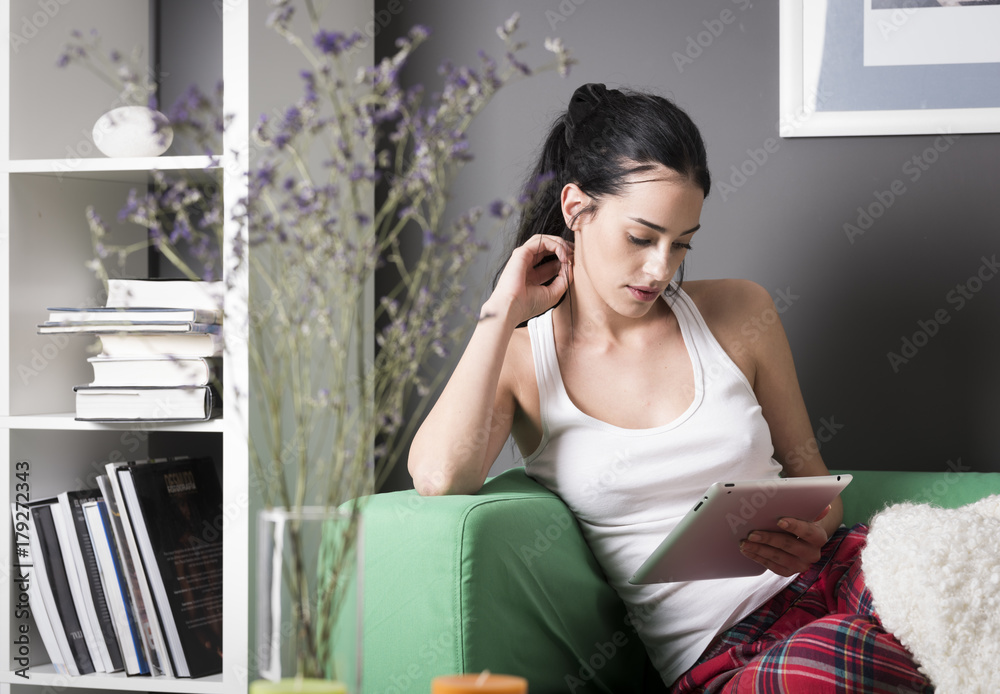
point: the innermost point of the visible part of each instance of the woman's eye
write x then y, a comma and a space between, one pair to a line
637, 241
685, 246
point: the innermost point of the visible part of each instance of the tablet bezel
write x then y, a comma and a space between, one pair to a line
705, 544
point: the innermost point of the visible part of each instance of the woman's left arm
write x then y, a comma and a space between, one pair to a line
795, 448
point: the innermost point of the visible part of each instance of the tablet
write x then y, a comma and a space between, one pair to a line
706, 543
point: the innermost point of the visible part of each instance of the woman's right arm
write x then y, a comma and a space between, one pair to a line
456, 444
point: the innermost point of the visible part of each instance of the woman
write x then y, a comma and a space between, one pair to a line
628, 396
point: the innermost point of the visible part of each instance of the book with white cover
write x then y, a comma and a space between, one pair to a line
146, 623
60, 605
159, 660
155, 371
115, 587
183, 403
41, 601
134, 314
46, 629
123, 326
94, 599
209, 344
77, 586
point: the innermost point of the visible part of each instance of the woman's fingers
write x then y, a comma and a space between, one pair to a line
792, 550
540, 246
537, 274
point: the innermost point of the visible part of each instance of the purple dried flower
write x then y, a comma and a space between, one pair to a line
518, 65
330, 42
281, 17
500, 209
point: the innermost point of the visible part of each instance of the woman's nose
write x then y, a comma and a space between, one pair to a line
658, 266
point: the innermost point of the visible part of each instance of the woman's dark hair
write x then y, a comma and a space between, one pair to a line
604, 136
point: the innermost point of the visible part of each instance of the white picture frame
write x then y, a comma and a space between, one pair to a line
869, 67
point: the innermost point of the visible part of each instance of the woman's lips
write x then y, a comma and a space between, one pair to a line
644, 293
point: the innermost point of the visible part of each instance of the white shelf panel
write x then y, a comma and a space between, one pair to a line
46, 675
103, 167
67, 422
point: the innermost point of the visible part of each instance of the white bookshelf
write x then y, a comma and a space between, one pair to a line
48, 174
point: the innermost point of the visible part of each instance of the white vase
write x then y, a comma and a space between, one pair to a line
133, 131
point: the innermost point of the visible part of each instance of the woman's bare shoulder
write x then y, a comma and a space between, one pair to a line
737, 312
725, 301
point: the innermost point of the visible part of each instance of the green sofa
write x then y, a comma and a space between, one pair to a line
503, 580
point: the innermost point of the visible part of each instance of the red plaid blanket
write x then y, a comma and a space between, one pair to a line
818, 635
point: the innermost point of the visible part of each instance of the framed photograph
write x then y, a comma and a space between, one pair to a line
889, 67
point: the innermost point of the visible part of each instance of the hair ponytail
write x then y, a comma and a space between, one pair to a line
603, 137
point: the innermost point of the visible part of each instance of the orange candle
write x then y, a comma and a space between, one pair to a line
479, 684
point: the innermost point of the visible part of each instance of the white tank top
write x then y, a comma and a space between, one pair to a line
629, 487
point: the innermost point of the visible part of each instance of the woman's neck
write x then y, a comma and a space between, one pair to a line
592, 320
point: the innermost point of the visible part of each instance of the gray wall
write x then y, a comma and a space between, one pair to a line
783, 226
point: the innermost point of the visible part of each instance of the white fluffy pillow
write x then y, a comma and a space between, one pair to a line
935, 578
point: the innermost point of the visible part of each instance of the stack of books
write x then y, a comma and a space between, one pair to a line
161, 348
128, 577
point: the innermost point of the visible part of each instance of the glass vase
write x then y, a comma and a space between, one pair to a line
309, 619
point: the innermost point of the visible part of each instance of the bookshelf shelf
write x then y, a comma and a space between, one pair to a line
49, 173
88, 167
67, 422
46, 676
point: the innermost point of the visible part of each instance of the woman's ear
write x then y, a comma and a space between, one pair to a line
573, 201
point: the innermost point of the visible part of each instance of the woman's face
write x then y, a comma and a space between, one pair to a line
629, 250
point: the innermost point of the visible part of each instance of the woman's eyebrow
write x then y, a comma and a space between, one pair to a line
662, 230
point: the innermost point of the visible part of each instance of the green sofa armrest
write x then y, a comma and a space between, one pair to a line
501, 580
